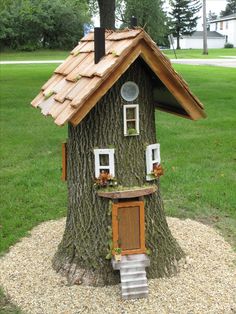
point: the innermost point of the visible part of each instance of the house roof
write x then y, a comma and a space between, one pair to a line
210, 34
225, 18
78, 83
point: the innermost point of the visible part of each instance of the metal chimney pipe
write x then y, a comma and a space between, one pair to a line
133, 22
99, 43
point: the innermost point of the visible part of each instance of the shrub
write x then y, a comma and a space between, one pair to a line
229, 45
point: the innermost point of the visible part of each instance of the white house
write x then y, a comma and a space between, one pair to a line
226, 26
195, 41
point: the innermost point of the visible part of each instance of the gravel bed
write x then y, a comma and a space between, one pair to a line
206, 282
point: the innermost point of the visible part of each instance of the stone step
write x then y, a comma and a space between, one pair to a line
134, 295
134, 276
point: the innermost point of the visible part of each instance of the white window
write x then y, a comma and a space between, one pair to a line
104, 161
131, 120
153, 159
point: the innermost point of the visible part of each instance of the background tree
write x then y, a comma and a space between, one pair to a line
150, 15
230, 8
183, 17
29, 24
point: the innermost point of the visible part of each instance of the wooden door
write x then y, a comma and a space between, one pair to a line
128, 227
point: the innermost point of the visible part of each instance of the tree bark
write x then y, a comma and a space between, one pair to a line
81, 254
178, 44
107, 13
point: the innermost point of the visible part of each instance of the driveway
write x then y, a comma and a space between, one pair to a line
229, 62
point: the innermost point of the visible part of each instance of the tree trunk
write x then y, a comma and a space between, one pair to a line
178, 44
107, 13
81, 254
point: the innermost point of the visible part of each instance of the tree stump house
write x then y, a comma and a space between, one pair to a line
107, 90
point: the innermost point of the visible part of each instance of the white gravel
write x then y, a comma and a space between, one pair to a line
205, 284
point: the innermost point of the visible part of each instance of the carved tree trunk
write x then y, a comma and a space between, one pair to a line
81, 254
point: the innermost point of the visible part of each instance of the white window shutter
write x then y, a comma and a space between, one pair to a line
150, 161
111, 161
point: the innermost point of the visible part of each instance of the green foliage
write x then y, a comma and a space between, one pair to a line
230, 8
229, 45
183, 17
150, 16
28, 24
118, 250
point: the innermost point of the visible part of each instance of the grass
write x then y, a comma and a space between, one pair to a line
31, 189
198, 157
6, 307
197, 53
46, 54
50, 54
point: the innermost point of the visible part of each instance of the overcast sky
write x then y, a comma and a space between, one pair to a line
211, 5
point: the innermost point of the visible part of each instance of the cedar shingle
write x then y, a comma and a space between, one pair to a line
78, 79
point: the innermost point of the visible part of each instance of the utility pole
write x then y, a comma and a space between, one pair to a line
205, 50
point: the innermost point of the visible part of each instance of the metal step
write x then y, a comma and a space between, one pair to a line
134, 295
132, 271
130, 278
140, 288
133, 264
133, 275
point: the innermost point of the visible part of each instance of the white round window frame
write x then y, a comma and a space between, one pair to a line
133, 85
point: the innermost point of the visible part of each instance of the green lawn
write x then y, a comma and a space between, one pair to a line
199, 158
31, 189
48, 54
197, 53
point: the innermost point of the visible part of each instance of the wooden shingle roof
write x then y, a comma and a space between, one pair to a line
78, 83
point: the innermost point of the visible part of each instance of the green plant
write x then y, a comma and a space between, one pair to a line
132, 131
117, 250
229, 45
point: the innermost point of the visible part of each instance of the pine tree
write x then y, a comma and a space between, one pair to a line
183, 17
230, 8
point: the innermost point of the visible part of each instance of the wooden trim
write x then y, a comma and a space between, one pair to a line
187, 100
115, 233
128, 193
64, 161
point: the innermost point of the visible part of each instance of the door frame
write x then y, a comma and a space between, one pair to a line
115, 227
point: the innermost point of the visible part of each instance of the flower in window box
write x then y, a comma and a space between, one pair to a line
157, 170
105, 179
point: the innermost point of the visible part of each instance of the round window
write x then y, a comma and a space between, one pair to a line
129, 91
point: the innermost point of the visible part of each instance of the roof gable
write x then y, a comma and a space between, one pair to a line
78, 83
